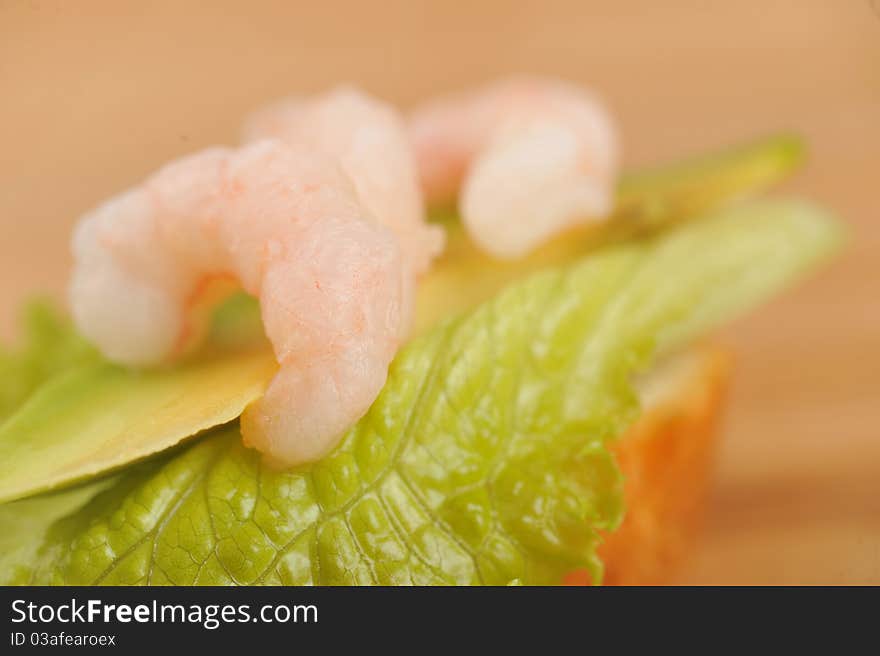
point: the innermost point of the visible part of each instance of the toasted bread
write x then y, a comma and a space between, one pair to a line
666, 459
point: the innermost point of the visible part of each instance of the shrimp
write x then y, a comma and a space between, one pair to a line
369, 140
531, 157
285, 223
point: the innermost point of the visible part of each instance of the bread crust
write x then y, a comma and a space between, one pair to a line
666, 459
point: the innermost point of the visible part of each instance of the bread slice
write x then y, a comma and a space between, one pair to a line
666, 457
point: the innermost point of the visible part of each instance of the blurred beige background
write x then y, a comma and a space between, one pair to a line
95, 94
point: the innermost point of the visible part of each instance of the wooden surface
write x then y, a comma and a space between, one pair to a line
93, 95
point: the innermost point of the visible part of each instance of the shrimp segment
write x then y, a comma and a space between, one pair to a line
369, 140
285, 223
530, 157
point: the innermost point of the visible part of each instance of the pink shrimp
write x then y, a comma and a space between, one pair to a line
369, 140
531, 157
285, 223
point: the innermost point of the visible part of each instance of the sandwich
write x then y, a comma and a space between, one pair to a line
279, 369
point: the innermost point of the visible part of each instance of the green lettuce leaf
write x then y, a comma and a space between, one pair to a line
25, 523
51, 346
484, 460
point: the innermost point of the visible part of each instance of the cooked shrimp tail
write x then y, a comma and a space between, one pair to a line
528, 158
286, 224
